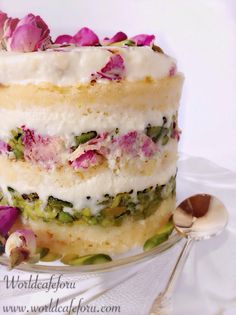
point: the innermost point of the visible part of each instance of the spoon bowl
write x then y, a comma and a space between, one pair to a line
200, 217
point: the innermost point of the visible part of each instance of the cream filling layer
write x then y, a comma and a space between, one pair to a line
67, 121
68, 186
75, 65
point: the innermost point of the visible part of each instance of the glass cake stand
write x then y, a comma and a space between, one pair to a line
131, 281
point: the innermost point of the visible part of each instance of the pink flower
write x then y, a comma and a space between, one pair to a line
4, 147
8, 216
148, 147
84, 37
118, 37
113, 70
21, 246
29, 34
87, 159
3, 18
91, 153
64, 39
134, 144
8, 29
143, 40
43, 150
127, 142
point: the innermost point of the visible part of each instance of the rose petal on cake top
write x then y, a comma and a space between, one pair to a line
29, 34
4, 147
85, 37
46, 151
118, 37
143, 39
3, 18
8, 29
8, 216
113, 70
63, 39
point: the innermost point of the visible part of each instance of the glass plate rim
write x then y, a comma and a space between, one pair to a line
98, 268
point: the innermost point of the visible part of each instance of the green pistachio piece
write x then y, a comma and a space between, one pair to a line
162, 236
87, 260
42, 251
85, 137
50, 256
154, 132
167, 228
113, 212
67, 258
65, 217
86, 212
30, 197
58, 203
16, 144
10, 189
126, 42
168, 188
165, 140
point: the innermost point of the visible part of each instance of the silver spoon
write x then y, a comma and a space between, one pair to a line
197, 218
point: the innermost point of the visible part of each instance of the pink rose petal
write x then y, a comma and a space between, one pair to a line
113, 70
28, 34
86, 160
3, 18
63, 39
148, 147
43, 150
8, 216
143, 40
118, 37
4, 147
85, 37
134, 144
26, 38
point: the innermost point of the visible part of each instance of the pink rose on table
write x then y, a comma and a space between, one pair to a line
26, 35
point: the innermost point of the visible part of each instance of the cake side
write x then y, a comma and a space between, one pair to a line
88, 147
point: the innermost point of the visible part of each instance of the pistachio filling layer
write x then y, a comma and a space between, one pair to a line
113, 209
89, 149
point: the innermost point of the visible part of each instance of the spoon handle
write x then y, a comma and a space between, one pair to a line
162, 300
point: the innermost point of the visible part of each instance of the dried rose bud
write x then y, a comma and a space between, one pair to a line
21, 246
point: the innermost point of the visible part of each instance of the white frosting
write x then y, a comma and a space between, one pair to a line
95, 186
67, 121
75, 65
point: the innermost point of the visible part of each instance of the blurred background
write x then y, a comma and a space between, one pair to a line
200, 34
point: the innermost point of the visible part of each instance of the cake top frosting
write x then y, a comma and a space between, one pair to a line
28, 55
